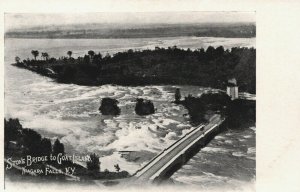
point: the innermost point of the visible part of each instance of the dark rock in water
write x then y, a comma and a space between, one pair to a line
109, 107
144, 107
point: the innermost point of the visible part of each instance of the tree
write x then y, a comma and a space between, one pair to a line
46, 147
94, 163
177, 95
17, 59
220, 51
117, 167
69, 53
32, 141
35, 53
97, 59
12, 130
58, 147
91, 53
45, 56
210, 51
107, 56
86, 60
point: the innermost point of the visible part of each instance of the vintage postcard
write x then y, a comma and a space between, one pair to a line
131, 99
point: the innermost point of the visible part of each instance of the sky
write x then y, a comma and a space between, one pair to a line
21, 20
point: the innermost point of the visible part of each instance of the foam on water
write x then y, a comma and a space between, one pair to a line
251, 150
109, 161
238, 154
214, 150
225, 161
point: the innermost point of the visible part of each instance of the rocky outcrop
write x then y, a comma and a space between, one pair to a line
144, 107
109, 107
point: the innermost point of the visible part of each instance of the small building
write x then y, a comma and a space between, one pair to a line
232, 89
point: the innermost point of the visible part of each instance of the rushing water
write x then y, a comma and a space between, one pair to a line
70, 112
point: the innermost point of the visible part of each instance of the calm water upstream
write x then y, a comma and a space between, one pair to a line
70, 112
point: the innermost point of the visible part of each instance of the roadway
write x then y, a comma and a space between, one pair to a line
170, 154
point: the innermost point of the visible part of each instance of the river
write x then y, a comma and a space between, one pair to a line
70, 112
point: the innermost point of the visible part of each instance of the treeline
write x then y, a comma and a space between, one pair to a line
210, 68
28, 141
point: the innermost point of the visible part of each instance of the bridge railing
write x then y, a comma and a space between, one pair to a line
184, 150
166, 149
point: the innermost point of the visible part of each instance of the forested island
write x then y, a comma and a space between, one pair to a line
208, 68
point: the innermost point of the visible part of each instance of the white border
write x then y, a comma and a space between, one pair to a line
278, 68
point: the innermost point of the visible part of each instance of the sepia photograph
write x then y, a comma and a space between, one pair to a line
130, 100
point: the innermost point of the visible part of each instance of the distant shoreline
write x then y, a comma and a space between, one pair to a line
13, 37
99, 31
